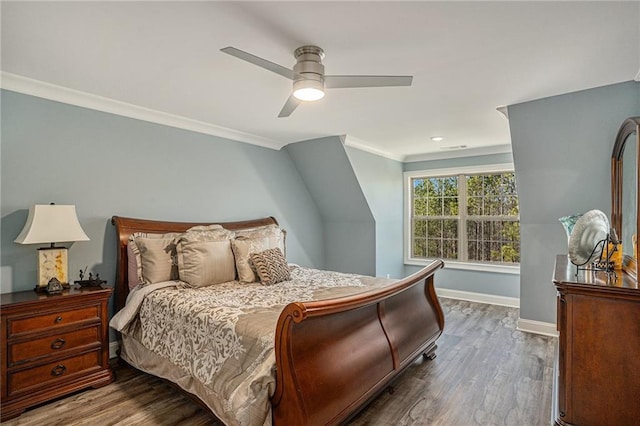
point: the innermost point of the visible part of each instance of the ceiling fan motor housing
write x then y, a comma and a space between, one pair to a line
309, 63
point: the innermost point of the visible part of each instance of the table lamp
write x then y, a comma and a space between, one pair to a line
50, 224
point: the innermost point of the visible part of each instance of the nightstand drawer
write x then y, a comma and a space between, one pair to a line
41, 322
22, 352
48, 374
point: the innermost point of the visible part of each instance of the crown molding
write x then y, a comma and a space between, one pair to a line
356, 143
41, 89
470, 152
503, 111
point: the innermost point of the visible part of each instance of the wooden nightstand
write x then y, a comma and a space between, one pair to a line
52, 345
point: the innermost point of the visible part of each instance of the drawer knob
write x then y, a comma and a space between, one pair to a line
58, 319
58, 370
58, 343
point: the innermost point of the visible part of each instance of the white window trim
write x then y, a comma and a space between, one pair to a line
450, 264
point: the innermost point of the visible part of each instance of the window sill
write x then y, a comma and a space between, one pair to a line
480, 267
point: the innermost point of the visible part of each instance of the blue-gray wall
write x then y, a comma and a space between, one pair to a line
343, 207
492, 283
381, 183
110, 165
562, 152
348, 225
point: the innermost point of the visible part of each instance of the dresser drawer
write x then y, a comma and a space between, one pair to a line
50, 374
42, 322
25, 351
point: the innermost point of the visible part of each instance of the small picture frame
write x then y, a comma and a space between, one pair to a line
52, 263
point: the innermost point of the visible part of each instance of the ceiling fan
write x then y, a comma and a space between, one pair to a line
309, 80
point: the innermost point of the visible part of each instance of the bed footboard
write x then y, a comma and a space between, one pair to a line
333, 356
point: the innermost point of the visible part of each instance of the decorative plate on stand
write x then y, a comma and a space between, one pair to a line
590, 229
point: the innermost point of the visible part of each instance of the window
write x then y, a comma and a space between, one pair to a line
469, 215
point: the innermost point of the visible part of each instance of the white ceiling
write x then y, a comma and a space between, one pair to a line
467, 59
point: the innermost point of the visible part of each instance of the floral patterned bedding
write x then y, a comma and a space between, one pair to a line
223, 335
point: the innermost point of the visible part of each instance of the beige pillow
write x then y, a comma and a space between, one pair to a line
202, 263
154, 260
271, 266
205, 257
254, 241
266, 231
157, 259
133, 260
207, 233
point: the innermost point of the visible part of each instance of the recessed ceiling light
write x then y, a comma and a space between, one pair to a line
437, 138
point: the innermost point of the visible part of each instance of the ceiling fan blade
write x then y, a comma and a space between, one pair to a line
349, 81
263, 63
289, 106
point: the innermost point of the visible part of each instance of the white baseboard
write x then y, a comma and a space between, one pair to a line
491, 299
537, 327
113, 349
528, 326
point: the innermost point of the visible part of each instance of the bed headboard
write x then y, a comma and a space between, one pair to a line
125, 226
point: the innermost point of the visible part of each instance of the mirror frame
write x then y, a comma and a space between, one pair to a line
629, 127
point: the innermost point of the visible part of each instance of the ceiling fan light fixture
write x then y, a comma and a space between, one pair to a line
308, 90
309, 79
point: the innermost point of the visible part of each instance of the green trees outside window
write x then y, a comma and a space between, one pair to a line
472, 218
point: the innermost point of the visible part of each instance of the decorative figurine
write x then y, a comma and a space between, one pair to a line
91, 282
54, 286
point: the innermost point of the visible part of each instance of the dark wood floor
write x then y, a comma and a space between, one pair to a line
486, 373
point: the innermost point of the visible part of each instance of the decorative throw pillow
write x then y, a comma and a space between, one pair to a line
202, 263
274, 233
205, 256
132, 267
157, 259
254, 241
154, 257
207, 233
271, 266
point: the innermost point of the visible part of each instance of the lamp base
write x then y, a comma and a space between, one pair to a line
52, 263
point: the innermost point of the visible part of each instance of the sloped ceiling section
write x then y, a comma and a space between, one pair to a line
349, 226
381, 182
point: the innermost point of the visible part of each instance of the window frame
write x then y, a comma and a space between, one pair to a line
452, 171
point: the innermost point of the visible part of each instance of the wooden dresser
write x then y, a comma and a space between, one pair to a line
52, 345
597, 380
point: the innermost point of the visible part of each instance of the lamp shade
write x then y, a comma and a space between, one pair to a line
51, 223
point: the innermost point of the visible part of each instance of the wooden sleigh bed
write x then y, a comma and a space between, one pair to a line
332, 356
